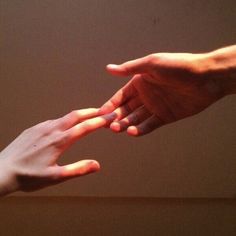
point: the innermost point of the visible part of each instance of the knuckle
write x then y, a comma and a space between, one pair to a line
27, 131
73, 116
154, 60
137, 81
69, 117
74, 113
54, 175
45, 128
151, 59
58, 123
60, 140
62, 122
44, 124
126, 69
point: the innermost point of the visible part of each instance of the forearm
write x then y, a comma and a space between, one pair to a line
221, 65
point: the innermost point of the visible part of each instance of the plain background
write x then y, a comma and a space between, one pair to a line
116, 216
52, 60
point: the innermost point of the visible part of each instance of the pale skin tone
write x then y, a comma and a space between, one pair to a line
29, 163
167, 87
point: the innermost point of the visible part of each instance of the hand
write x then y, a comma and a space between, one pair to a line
165, 87
30, 161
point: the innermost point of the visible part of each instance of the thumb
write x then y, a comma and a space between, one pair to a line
79, 168
137, 66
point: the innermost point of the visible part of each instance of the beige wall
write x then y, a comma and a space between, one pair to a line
52, 59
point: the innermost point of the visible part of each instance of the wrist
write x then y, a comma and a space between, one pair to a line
219, 67
8, 183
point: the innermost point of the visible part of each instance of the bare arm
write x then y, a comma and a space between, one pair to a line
222, 66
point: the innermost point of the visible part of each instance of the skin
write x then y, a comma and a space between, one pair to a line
29, 163
167, 87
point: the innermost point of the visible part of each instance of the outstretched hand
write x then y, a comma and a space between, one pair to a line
30, 161
164, 88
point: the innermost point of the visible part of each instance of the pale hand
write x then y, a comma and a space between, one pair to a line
30, 161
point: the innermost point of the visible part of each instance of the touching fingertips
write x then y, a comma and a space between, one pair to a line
110, 117
115, 126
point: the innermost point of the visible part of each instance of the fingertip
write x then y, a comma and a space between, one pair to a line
133, 131
116, 69
115, 126
94, 166
112, 67
90, 166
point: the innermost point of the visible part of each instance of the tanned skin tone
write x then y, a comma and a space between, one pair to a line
166, 87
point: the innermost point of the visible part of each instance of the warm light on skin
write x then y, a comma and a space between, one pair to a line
166, 87
81, 168
115, 126
94, 123
132, 130
86, 113
51, 138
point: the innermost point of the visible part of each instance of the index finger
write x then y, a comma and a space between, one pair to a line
119, 98
90, 125
76, 116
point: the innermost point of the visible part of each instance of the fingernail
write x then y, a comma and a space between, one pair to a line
94, 166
